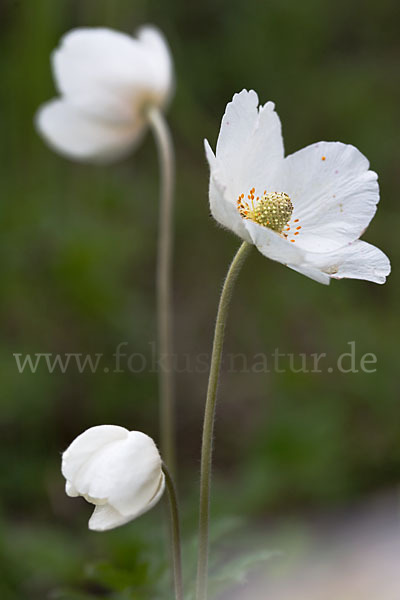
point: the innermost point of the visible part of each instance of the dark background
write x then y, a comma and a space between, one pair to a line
77, 258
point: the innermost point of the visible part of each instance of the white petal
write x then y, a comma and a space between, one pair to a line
105, 517
312, 273
237, 126
265, 152
222, 208
70, 490
146, 485
160, 61
126, 472
272, 245
81, 137
250, 144
333, 193
85, 445
357, 260
104, 60
249, 151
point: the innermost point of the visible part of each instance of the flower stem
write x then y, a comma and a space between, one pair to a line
209, 417
165, 149
175, 533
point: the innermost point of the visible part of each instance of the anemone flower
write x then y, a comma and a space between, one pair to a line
307, 210
107, 82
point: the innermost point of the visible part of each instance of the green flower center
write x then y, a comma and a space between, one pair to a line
272, 210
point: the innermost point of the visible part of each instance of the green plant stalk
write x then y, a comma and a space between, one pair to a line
165, 149
175, 534
209, 418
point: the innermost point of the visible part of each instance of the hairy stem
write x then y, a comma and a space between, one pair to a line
175, 534
209, 417
164, 144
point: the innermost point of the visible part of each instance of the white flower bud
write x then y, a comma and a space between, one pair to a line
117, 470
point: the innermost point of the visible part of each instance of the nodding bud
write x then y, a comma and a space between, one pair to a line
117, 470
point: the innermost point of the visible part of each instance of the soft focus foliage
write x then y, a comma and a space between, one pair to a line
77, 264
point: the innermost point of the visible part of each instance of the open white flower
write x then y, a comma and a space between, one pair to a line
307, 210
117, 470
106, 80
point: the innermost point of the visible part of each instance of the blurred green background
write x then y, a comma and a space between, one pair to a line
77, 276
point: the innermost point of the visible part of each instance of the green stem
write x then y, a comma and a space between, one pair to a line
164, 144
175, 534
209, 417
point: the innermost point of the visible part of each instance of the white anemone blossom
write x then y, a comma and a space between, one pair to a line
307, 210
117, 470
106, 80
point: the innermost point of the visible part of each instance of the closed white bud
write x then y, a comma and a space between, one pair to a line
117, 470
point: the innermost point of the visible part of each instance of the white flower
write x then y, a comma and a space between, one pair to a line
117, 470
106, 80
307, 210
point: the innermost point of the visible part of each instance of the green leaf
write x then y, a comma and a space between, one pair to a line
237, 569
119, 578
70, 594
